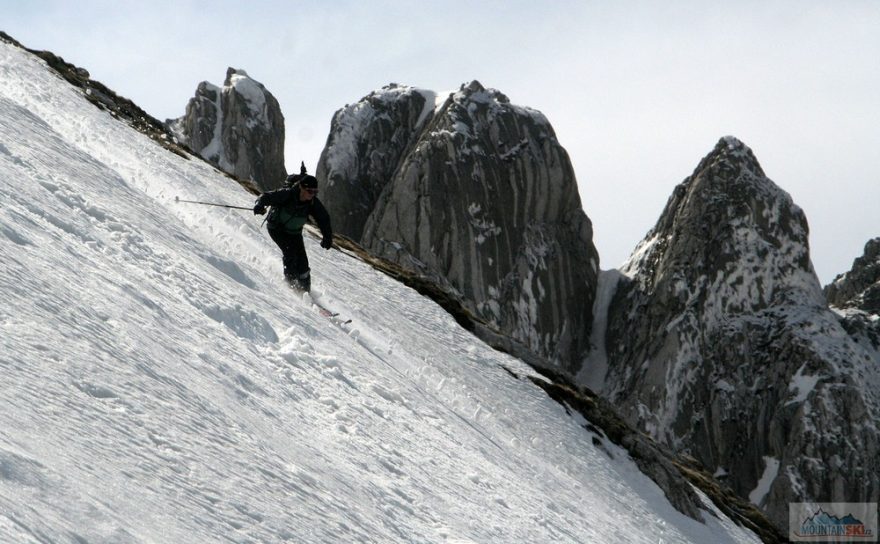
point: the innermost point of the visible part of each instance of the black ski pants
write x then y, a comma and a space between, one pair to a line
293, 251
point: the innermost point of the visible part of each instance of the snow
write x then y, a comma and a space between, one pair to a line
431, 99
644, 249
254, 95
350, 121
595, 368
771, 469
801, 386
215, 150
160, 384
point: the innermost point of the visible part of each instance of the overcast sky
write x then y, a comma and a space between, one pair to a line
638, 92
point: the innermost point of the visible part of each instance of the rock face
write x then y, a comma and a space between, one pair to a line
720, 344
366, 145
239, 127
476, 193
860, 287
856, 297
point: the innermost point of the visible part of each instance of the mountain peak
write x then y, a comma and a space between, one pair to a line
860, 287
230, 71
482, 199
721, 308
475, 91
238, 127
728, 211
731, 156
473, 87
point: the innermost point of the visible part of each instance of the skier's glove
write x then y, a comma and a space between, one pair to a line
327, 242
259, 209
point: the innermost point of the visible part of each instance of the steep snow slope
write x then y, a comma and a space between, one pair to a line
161, 385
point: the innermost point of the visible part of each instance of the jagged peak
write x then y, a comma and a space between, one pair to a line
244, 84
731, 172
730, 210
475, 91
231, 72
206, 87
731, 155
393, 92
860, 286
474, 85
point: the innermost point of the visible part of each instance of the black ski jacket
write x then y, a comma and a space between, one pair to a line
289, 213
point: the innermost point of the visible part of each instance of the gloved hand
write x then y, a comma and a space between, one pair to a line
259, 209
327, 242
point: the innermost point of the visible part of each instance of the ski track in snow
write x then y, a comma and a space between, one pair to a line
160, 383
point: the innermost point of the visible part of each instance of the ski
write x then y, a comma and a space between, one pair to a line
329, 314
332, 316
311, 299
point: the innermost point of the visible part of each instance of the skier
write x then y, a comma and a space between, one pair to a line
290, 209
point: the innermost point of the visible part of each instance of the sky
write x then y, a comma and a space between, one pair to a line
637, 92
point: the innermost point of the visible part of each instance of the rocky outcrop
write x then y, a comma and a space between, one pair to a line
720, 344
479, 195
860, 287
855, 296
238, 127
366, 145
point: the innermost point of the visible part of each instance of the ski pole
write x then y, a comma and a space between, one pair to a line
176, 199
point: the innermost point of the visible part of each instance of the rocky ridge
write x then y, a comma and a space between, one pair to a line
720, 344
238, 127
860, 287
855, 296
477, 194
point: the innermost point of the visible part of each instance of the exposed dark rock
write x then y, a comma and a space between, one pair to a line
674, 474
860, 287
476, 194
855, 296
720, 345
366, 144
238, 127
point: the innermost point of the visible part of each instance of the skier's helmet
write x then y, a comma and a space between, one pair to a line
308, 182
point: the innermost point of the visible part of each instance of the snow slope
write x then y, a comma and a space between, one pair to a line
160, 384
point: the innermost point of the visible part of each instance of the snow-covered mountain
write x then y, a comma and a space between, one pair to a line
238, 127
160, 384
720, 344
476, 193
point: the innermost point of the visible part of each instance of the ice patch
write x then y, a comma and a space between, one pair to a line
771, 469
595, 367
802, 385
